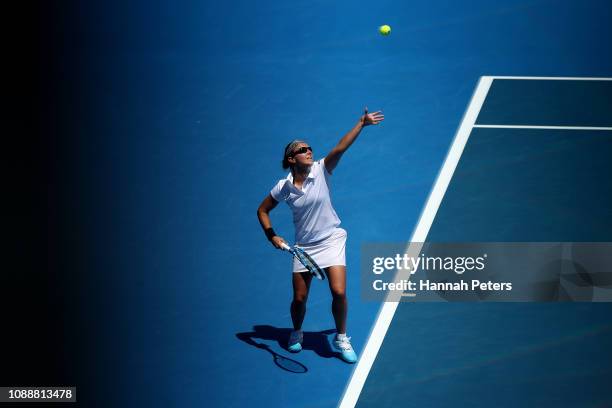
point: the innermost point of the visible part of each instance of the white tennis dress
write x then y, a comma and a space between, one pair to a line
315, 220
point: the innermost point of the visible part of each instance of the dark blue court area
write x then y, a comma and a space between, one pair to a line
159, 127
536, 168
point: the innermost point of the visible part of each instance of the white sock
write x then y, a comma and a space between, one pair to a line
341, 336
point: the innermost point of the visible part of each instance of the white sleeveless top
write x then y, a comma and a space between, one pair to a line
314, 216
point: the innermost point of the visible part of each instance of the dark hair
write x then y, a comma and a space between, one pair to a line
288, 150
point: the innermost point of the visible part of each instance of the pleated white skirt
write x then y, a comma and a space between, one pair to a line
327, 252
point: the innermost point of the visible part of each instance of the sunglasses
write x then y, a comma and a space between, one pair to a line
301, 150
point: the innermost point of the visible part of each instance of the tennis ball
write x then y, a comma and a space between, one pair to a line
384, 29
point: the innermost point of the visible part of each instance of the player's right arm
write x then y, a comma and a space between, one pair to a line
263, 214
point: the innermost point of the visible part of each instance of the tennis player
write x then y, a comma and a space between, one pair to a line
306, 190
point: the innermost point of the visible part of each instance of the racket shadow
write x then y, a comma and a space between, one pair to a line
313, 341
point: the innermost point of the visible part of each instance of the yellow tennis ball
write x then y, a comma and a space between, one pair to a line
384, 30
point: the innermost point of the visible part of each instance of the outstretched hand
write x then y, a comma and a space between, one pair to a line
372, 118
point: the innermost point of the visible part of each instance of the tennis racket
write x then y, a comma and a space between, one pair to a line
305, 260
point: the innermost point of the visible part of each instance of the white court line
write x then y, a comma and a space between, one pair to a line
552, 78
542, 127
385, 315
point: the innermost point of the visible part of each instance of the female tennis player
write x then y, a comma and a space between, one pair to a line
306, 190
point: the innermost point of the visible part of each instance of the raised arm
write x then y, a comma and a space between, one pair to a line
333, 157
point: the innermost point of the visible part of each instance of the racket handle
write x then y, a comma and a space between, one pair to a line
285, 246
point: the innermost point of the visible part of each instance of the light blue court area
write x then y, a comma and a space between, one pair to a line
535, 167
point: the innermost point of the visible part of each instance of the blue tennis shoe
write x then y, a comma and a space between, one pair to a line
295, 341
343, 346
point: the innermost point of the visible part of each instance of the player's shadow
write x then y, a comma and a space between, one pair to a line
313, 341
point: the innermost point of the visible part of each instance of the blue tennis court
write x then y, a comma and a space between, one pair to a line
534, 166
160, 126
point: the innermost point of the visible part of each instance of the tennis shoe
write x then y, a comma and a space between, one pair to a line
295, 341
345, 349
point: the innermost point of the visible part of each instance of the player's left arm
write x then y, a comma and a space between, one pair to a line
333, 158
